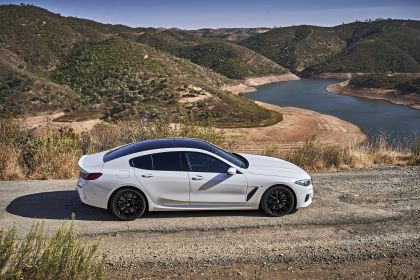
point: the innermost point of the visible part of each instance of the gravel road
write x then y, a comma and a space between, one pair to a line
364, 223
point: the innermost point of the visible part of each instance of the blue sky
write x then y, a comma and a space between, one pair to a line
189, 14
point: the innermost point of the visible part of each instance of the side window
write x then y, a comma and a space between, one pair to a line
143, 162
170, 161
200, 162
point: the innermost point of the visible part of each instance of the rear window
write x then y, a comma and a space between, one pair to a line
169, 161
143, 162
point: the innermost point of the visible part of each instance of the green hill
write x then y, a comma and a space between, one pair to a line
228, 59
88, 69
375, 46
400, 83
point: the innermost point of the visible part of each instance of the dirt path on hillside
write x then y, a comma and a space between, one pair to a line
41, 123
362, 224
297, 126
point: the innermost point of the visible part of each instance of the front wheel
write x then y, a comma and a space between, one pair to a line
278, 201
128, 204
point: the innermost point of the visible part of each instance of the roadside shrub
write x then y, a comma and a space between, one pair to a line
107, 136
315, 156
10, 169
37, 257
415, 151
54, 155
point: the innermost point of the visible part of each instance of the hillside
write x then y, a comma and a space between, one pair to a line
91, 70
375, 46
230, 34
228, 59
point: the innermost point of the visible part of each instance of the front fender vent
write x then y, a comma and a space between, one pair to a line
251, 193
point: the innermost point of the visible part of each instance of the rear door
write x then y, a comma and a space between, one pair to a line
211, 185
164, 178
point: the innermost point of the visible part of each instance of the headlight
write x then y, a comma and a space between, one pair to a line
305, 182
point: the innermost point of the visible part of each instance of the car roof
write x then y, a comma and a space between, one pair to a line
153, 144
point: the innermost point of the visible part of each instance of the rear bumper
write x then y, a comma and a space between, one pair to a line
88, 197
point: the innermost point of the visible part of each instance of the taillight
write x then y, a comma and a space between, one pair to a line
90, 176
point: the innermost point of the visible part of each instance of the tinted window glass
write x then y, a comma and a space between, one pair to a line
204, 163
143, 162
229, 157
170, 161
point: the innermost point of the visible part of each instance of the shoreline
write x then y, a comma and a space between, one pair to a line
342, 88
249, 85
296, 127
350, 75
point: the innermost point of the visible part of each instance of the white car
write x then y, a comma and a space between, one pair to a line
189, 174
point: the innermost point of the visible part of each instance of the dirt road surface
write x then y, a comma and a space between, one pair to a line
362, 224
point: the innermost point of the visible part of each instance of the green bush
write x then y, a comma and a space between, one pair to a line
37, 257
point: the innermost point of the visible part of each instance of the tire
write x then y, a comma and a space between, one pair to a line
128, 204
278, 201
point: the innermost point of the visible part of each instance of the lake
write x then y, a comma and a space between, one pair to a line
374, 117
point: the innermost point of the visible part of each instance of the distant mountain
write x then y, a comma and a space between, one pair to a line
230, 34
88, 69
226, 58
376, 46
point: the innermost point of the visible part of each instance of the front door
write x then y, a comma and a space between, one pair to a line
211, 185
162, 175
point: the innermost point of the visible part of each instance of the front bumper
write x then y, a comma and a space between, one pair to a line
304, 196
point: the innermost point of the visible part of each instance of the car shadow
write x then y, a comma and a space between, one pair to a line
61, 205
58, 205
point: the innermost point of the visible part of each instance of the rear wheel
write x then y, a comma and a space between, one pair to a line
278, 201
128, 204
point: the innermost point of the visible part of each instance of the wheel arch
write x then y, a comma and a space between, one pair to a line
128, 187
280, 185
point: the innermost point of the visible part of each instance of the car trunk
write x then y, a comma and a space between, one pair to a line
92, 163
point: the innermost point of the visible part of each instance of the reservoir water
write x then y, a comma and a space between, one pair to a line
374, 117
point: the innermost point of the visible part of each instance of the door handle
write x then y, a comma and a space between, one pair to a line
147, 175
197, 178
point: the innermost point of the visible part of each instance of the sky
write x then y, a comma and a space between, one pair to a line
190, 14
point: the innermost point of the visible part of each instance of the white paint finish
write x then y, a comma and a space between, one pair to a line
217, 189
165, 188
169, 190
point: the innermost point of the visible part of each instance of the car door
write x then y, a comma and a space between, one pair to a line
211, 185
164, 178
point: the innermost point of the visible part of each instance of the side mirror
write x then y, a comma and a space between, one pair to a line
231, 171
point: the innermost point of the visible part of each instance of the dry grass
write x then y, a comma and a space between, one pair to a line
55, 154
10, 168
316, 156
37, 257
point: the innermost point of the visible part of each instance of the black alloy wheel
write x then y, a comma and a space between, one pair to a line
128, 204
278, 201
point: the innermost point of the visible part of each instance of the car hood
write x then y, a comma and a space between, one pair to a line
269, 166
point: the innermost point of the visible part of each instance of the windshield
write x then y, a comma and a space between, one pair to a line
235, 159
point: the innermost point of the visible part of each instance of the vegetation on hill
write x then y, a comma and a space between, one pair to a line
296, 47
373, 46
228, 59
88, 69
230, 34
401, 83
